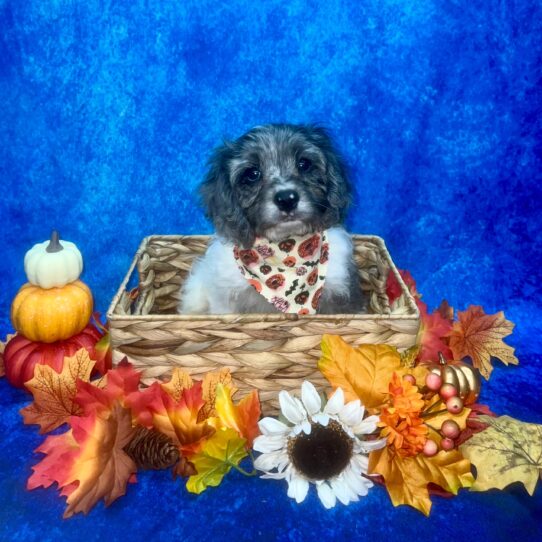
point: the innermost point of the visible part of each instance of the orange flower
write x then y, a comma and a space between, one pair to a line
402, 425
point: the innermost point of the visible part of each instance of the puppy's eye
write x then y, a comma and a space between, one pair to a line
304, 164
252, 175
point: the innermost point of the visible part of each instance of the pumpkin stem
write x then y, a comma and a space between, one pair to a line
54, 244
441, 359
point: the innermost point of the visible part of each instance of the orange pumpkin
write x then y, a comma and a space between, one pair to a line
51, 315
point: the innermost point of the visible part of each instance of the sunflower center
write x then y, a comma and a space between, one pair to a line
324, 453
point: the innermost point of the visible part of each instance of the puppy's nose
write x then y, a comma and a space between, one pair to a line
286, 200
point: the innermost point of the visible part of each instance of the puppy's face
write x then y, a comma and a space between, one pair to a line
276, 181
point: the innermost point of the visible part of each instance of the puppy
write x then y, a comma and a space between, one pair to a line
277, 197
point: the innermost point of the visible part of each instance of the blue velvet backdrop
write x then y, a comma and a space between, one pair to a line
108, 111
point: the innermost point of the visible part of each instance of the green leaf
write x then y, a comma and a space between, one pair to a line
219, 454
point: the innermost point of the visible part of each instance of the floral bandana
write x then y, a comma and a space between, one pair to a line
289, 274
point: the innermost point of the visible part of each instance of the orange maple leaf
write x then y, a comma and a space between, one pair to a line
242, 417
209, 384
116, 386
88, 462
180, 380
407, 478
54, 393
179, 420
480, 336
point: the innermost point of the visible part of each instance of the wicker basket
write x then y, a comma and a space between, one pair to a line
269, 352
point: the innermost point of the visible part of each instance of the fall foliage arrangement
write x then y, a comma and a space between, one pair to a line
409, 421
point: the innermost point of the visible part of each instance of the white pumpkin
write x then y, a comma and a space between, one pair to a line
53, 263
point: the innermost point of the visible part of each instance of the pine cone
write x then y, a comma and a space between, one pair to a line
151, 449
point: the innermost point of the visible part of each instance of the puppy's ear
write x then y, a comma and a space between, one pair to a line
339, 189
220, 202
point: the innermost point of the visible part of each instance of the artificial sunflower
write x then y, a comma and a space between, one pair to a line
324, 447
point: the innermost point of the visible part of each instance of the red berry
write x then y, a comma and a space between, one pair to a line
450, 429
433, 381
454, 405
430, 448
447, 391
447, 444
410, 378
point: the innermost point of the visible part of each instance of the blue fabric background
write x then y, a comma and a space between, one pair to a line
108, 112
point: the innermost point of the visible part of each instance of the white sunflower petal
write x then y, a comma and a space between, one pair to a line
270, 461
351, 414
321, 418
356, 482
372, 445
306, 427
366, 426
272, 426
341, 490
298, 488
335, 403
360, 463
311, 398
291, 407
326, 495
266, 444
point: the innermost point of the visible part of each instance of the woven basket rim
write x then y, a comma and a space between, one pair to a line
257, 317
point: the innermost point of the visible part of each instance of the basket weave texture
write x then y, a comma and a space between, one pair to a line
267, 352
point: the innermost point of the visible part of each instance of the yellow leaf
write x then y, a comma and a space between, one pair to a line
406, 478
209, 384
222, 451
480, 336
364, 372
180, 381
507, 451
54, 393
242, 417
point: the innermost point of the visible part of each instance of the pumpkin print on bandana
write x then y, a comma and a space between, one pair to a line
290, 274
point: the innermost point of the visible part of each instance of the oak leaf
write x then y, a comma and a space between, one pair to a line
363, 372
54, 393
407, 478
480, 336
242, 417
507, 451
88, 462
224, 450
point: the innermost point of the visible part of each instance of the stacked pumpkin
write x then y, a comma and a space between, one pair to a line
51, 313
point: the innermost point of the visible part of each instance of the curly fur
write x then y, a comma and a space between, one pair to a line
242, 208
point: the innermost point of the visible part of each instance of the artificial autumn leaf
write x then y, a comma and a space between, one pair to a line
393, 288
180, 380
363, 372
116, 386
410, 355
446, 310
242, 417
218, 455
474, 424
507, 451
480, 336
407, 478
434, 417
434, 330
209, 384
179, 420
88, 462
54, 393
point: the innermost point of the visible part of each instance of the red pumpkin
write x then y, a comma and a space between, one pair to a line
22, 355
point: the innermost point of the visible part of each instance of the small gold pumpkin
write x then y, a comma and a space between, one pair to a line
51, 315
463, 377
